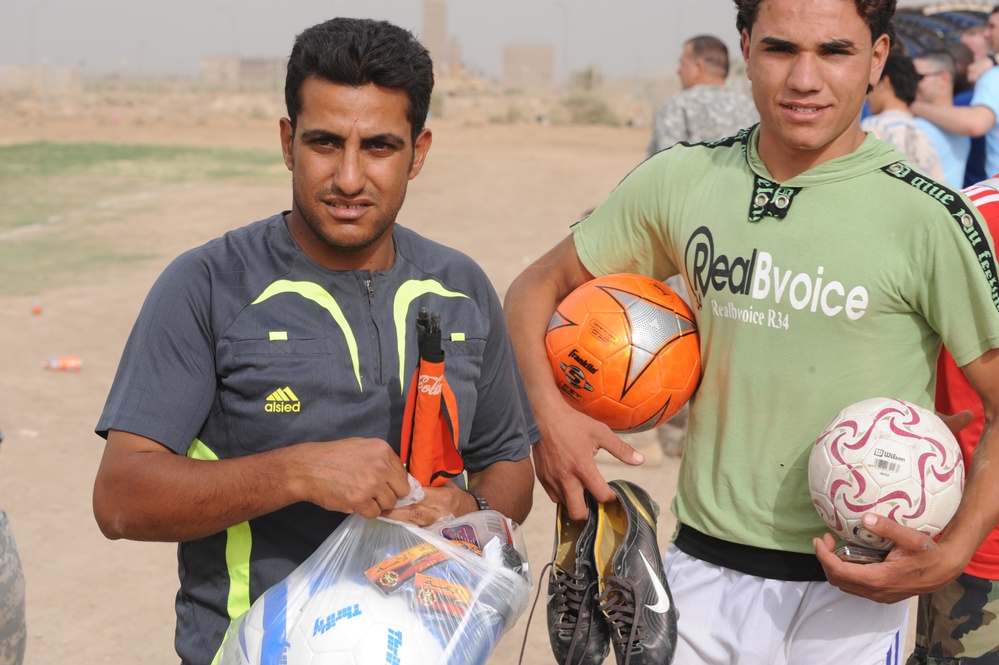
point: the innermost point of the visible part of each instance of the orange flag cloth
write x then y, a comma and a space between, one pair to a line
430, 422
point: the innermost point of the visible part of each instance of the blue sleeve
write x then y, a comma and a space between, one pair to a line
987, 91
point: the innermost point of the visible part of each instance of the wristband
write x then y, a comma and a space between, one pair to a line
479, 499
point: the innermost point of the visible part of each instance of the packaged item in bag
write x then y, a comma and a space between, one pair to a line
382, 591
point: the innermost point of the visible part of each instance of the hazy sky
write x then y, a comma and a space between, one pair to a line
622, 37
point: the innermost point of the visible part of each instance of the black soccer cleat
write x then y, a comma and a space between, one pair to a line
634, 597
576, 629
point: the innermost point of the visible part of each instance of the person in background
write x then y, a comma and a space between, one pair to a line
958, 624
981, 116
963, 58
705, 109
261, 394
893, 122
982, 42
13, 632
974, 39
936, 71
964, 90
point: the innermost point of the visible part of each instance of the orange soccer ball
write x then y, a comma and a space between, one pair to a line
625, 351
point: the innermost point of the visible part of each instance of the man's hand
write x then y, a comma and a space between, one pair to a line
139, 481
353, 475
439, 502
979, 67
957, 422
916, 564
564, 462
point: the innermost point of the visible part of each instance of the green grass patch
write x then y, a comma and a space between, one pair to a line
42, 180
134, 161
38, 263
59, 199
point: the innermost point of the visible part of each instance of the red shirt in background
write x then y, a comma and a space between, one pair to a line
954, 394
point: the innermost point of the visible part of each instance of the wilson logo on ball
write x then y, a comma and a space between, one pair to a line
890, 457
624, 350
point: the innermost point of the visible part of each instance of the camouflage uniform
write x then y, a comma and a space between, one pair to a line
12, 629
953, 624
701, 113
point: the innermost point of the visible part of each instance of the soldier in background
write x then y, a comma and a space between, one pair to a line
705, 109
13, 634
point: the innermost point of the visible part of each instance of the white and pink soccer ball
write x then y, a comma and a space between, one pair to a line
889, 457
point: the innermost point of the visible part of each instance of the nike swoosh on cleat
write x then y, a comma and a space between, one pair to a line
662, 598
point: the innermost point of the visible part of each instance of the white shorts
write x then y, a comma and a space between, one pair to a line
730, 618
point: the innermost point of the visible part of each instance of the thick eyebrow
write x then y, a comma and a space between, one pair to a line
777, 42
320, 134
839, 45
827, 47
393, 140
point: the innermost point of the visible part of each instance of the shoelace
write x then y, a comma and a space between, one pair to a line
569, 592
617, 603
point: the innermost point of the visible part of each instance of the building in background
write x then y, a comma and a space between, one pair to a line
434, 34
528, 67
40, 80
233, 73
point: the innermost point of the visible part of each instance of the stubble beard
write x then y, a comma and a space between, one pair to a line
315, 224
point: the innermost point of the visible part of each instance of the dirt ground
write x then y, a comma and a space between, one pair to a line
502, 194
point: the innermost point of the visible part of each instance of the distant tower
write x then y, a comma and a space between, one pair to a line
434, 36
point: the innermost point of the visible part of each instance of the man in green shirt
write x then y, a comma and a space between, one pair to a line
822, 271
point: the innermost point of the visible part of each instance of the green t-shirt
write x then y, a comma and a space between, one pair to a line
812, 294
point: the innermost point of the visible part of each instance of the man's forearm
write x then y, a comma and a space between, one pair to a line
964, 120
508, 487
171, 498
978, 513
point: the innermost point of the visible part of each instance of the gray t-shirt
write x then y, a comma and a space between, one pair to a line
245, 345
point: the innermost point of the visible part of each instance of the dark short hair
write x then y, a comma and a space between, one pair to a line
963, 57
961, 54
902, 73
712, 51
355, 51
944, 61
877, 13
943, 58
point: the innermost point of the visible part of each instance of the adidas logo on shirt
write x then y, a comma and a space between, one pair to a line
283, 400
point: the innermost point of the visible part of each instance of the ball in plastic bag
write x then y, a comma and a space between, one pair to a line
356, 624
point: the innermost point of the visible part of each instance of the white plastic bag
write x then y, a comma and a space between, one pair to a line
382, 591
